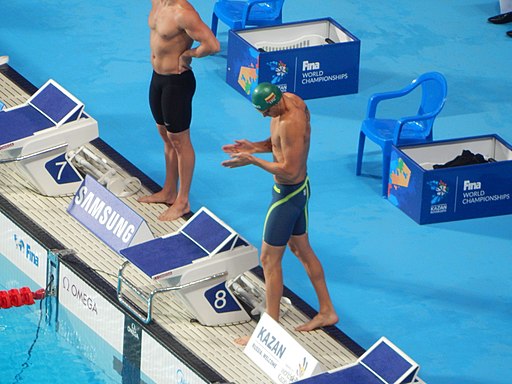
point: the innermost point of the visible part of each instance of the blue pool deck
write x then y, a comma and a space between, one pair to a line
442, 292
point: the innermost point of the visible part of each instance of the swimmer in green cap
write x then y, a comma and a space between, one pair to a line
286, 222
266, 95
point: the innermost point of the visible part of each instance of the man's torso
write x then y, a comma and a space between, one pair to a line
298, 114
168, 39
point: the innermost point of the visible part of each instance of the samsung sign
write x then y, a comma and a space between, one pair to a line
107, 216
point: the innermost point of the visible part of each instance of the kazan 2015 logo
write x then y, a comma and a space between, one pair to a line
280, 70
439, 192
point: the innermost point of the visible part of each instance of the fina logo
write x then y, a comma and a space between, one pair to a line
25, 250
472, 186
307, 66
19, 243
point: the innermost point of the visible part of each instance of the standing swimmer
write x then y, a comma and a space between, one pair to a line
174, 26
287, 217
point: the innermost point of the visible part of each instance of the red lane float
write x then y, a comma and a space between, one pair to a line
18, 297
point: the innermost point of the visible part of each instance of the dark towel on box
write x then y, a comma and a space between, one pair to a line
466, 158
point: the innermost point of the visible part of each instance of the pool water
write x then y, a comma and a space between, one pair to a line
32, 351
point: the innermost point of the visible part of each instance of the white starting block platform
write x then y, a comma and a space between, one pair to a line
197, 262
37, 134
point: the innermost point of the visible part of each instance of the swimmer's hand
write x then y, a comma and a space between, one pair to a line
240, 146
239, 159
185, 63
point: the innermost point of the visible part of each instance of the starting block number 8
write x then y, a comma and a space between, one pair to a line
221, 299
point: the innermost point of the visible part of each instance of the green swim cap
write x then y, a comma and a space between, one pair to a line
266, 95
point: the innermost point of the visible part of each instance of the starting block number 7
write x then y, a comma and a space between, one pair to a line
62, 171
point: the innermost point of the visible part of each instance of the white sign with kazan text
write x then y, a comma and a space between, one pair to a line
278, 354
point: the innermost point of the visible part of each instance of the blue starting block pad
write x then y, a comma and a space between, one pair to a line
51, 106
197, 262
37, 134
203, 235
383, 363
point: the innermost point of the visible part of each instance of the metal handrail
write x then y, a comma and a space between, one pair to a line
34, 154
146, 318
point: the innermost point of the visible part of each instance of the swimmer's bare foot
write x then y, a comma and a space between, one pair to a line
159, 197
319, 321
174, 212
242, 340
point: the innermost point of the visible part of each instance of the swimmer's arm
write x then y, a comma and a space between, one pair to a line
241, 151
200, 32
248, 146
292, 154
283, 170
264, 146
291, 162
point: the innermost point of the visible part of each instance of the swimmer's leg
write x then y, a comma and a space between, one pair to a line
185, 160
169, 191
326, 316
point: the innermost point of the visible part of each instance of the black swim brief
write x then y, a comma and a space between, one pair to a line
170, 99
287, 214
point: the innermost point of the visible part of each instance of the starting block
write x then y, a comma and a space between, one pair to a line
199, 262
37, 134
383, 363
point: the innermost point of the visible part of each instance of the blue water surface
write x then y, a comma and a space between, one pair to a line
31, 349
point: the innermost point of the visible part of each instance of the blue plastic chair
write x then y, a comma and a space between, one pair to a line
237, 14
404, 130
